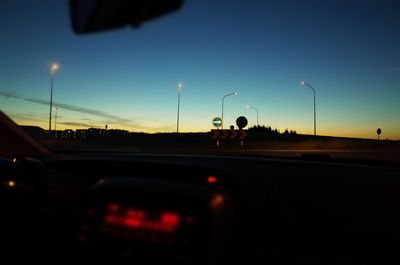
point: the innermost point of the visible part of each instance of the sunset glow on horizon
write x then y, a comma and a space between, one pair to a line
129, 79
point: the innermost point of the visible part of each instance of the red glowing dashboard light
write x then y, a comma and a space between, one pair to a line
211, 179
138, 219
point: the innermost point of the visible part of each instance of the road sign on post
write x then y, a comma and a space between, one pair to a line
379, 131
231, 134
241, 122
217, 122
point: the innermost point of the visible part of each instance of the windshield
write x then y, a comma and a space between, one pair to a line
232, 77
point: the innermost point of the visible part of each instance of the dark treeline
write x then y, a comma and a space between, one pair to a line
269, 130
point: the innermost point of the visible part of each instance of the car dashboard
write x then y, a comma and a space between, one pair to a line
190, 209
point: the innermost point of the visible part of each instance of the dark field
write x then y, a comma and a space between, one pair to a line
319, 147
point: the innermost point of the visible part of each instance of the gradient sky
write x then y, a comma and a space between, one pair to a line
348, 50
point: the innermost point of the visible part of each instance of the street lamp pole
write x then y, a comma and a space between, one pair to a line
249, 106
223, 98
53, 69
55, 118
315, 115
180, 85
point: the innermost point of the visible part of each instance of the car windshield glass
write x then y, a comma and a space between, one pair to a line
276, 78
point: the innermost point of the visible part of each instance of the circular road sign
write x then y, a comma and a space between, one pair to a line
241, 122
379, 131
217, 122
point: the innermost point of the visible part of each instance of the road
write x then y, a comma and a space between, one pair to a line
368, 154
274, 147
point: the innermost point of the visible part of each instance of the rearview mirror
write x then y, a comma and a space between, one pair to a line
97, 15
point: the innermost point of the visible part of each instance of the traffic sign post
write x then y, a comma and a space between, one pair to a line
241, 122
231, 134
217, 122
379, 131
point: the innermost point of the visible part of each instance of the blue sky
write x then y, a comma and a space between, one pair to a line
348, 50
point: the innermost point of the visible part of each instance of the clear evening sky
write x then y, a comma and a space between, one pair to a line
348, 50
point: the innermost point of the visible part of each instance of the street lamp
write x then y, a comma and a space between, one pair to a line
223, 98
180, 85
249, 106
55, 119
53, 70
303, 83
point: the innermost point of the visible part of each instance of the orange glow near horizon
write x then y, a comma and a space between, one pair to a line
389, 131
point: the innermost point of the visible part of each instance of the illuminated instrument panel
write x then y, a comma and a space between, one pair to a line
150, 223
